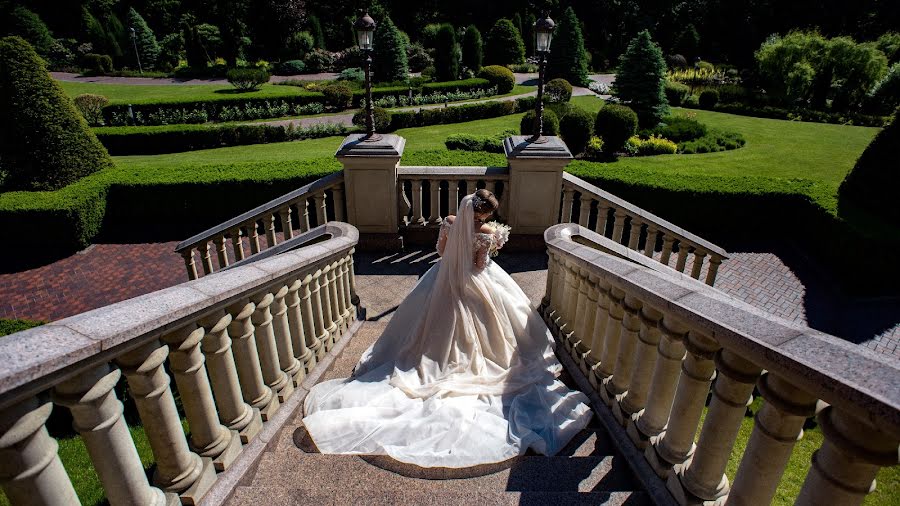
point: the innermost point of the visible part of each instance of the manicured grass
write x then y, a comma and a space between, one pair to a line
139, 93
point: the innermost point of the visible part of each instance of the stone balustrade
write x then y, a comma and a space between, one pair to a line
238, 343
240, 237
654, 343
627, 224
428, 194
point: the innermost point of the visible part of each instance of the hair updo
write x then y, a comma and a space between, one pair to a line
485, 202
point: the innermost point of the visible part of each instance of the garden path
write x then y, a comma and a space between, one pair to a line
770, 276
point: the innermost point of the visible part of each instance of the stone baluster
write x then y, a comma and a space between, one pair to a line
471, 186
418, 216
570, 301
602, 217
607, 363
584, 211
779, 425
634, 400
97, 414
703, 476
221, 251
303, 214
404, 207
557, 292
714, 262
652, 420
697, 265
284, 340
287, 229
598, 333
650, 241
683, 248
233, 411
546, 300
567, 204
206, 258
328, 318
434, 217
354, 299
334, 302
619, 383
452, 195
299, 313
269, 226
504, 200
581, 305
348, 291
178, 470
634, 236
320, 332
619, 226
337, 197
844, 468
253, 235
189, 263
209, 438
668, 244
321, 208
343, 305
276, 379
30, 469
586, 331
676, 444
246, 358
237, 244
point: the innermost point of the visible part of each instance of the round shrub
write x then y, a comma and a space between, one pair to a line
615, 124
98, 64
680, 129
380, 116
44, 143
551, 123
558, 90
499, 76
319, 60
91, 107
708, 99
247, 79
337, 96
576, 128
290, 68
675, 93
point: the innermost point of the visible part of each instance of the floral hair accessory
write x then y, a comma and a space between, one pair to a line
477, 201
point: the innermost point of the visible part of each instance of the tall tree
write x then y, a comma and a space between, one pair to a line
504, 44
389, 59
145, 40
315, 29
528, 34
29, 26
446, 54
640, 80
472, 50
568, 59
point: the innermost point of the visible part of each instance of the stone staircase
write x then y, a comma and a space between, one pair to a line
588, 471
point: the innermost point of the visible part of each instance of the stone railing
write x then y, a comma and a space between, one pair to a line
625, 223
237, 342
651, 342
428, 194
289, 213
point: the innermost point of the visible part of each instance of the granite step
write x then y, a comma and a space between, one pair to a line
289, 496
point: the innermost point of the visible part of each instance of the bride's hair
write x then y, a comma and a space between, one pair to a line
485, 202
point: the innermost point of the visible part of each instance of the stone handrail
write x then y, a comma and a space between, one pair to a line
645, 231
290, 212
238, 343
651, 341
441, 188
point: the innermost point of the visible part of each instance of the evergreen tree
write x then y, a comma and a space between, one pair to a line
567, 58
688, 43
147, 46
528, 34
45, 143
504, 44
389, 59
29, 26
315, 29
472, 51
517, 22
446, 54
640, 80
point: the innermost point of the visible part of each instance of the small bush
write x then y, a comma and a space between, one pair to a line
247, 79
418, 58
99, 64
651, 146
338, 96
499, 76
551, 123
354, 74
594, 149
708, 99
319, 60
680, 129
290, 68
91, 107
615, 124
469, 142
675, 93
524, 68
381, 118
8, 327
712, 142
558, 90
576, 129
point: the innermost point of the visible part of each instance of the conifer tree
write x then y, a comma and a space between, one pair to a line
389, 59
640, 80
472, 50
528, 33
315, 29
504, 44
446, 54
29, 26
568, 59
147, 46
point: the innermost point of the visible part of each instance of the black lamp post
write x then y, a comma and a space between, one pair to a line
137, 55
365, 31
543, 33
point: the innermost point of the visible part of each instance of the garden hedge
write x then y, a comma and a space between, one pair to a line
460, 113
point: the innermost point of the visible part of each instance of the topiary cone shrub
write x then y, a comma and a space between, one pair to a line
874, 181
615, 124
551, 123
45, 143
641, 78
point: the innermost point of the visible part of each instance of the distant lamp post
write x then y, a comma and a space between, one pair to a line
365, 32
137, 56
543, 34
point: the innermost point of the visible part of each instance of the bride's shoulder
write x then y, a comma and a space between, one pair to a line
449, 219
486, 229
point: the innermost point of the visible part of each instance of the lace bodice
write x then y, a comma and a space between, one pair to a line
484, 244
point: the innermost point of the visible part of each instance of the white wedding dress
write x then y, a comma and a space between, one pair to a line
464, 373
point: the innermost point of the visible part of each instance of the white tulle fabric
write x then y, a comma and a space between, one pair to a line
464, 373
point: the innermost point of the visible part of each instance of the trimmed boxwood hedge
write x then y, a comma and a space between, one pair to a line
460, 113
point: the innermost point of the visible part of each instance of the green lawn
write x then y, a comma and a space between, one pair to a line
139, 93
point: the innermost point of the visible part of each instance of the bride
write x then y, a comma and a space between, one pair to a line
464, 373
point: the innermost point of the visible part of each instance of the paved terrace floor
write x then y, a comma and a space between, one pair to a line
769, 276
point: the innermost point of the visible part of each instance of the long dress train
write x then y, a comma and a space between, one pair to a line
464, 373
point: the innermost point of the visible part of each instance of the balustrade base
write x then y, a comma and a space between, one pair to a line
270, 408
685, 497
285, 391
201, 485
637, 437
661, 464
252, 429
225, 455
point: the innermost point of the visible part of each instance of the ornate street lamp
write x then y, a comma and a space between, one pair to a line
543, 33
137, 55
365, 32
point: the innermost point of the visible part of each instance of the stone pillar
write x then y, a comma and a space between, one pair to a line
30, 469
276, 379
370, 179
246, 358
618, 383
209, 438
607, 363
313, 323
703, 478
535, 179
178, 469
676, 444
97, 414
284, 333
779, 425
635, 398
844, 468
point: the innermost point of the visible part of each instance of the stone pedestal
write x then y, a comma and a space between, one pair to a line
370, 178
535, 181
